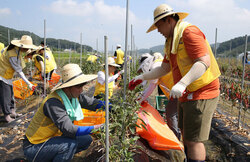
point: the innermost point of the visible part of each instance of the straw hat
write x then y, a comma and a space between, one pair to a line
162, 11
30, 52
111, 62
25, 42
39, 49
72, 75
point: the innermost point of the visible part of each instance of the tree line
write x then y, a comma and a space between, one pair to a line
54, 44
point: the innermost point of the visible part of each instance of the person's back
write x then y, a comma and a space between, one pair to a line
92, 58
120, 55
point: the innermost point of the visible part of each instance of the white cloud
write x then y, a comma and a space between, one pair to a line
95, 18
97, 10
71, 8
230, 19
5, 11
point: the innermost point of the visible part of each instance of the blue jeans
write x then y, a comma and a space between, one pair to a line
57, 149
172, 117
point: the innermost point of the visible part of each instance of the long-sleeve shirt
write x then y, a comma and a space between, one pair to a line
101, 77
56, 111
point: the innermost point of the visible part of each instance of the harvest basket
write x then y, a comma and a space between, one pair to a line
91, 118
161, 103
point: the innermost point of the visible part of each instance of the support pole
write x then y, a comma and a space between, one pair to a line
8, 36
106, 98
215, 44
242, 81
131, 52
44, 73
81, 50
126, 50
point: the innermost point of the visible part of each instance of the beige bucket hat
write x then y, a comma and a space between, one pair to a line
25, 42
31, 52
72, 75
162, 11
111, 62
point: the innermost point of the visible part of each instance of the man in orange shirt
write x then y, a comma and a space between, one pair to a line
195, 72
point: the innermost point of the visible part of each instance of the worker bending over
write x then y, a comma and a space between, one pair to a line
100, 82
11, 61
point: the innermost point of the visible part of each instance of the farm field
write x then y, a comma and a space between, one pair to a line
228, 140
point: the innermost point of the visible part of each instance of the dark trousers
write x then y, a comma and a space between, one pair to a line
48, 75
6, 98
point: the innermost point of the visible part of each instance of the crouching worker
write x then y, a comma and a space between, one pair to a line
51, 134
100, 83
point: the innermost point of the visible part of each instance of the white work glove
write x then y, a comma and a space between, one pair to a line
177, 90
121, 72
98, 126
30, 85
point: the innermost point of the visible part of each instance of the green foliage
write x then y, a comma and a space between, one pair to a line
123, 118
122, 126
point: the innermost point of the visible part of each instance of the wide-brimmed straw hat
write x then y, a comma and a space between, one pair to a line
40, 48
72, 75
111, 62
31, 52
162, 11
25, 42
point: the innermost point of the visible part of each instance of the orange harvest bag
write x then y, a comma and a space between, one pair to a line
158, 134
21, 89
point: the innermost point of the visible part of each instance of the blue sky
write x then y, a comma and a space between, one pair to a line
66, 19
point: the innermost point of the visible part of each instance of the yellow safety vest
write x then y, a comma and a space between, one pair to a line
92, 58
100, 88
119, 57
49, 64
185, 63
51, 56
42, 128
1, 47
6, 70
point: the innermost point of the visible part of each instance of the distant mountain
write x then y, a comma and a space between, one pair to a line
230, 48
151, 50
56, 44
